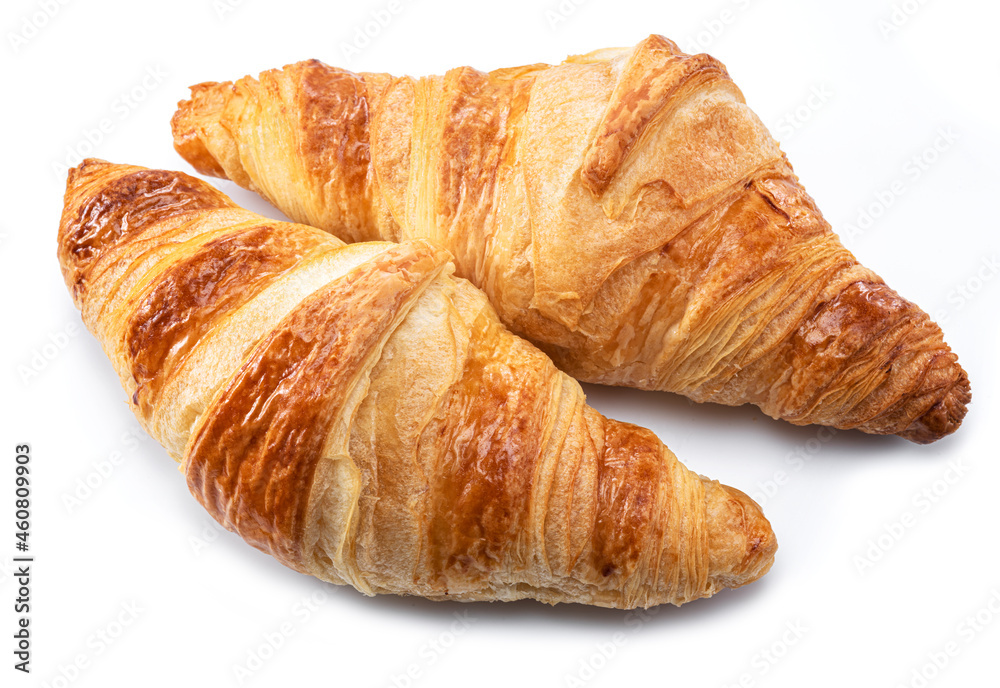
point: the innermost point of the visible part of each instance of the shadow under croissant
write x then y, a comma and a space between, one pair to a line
721, 604
673, 411
285, 583
292, 584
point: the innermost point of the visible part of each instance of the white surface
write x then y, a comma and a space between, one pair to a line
202, 612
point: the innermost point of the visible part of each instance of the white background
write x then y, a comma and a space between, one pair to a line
202, 608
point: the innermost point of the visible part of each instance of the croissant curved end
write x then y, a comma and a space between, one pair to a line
191, 118
741, 543
944, 417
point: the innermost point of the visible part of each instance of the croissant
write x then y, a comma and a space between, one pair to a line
625, 211
362, 415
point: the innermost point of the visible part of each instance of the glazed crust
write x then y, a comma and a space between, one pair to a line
625, 210
362, 415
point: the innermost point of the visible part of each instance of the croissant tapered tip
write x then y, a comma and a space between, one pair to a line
740, 539
105, 202
944, 417
86, 168
189, 121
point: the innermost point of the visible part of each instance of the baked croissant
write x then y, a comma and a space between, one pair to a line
625, 210
363, 416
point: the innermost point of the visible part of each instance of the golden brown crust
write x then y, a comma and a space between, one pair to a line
189, 297
251, 463
494, 423
189, 139
364, 417
125, 206
630, 476
624, 210
335, 132
650, 81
